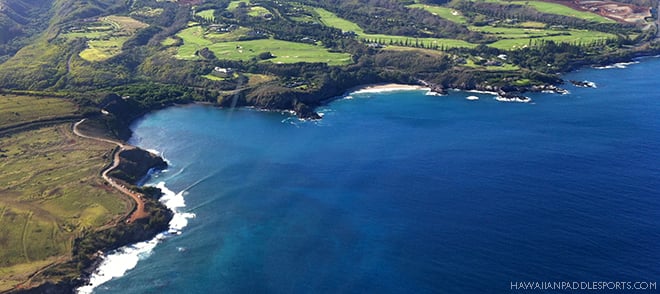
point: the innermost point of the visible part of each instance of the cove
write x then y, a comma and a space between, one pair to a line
401, 192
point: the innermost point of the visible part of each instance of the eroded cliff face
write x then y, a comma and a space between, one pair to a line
135, 164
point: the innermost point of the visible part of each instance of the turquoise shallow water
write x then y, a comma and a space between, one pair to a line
402, 192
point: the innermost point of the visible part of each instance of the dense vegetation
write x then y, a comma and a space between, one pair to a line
160, 52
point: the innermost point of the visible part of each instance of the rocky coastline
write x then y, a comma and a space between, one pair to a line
88, 249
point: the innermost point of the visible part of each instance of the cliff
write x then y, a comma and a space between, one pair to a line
135, 164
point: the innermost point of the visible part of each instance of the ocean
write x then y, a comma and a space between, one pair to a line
403, 192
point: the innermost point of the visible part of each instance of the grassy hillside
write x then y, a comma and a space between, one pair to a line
21, 21
554, 8
16, 109
50, 192
332, 20
516, 35
195, 38
105, 37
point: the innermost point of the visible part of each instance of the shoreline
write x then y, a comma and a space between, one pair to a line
117, 262
366, 88
383, 87
377, 88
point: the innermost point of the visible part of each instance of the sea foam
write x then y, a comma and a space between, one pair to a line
117, 262
387, 88
617, 65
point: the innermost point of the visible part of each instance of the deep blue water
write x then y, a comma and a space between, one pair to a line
402, 192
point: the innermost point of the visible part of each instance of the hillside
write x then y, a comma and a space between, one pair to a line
304, 48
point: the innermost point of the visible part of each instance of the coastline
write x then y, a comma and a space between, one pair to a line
361, 89
367, 88
383, 87
148, 218
115, 263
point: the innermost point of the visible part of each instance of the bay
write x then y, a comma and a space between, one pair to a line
402, 192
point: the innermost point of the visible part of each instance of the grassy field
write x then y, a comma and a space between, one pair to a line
520, 35
234, 35
234, 4
330, 19
553, 8
532, 24
257, 11
18, 109
572, 36
504, 67
207, 14
106, 36
50, 190
513, 32
444, 12
194, 38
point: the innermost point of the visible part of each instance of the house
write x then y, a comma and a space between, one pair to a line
308, 40
223, 72
493, 63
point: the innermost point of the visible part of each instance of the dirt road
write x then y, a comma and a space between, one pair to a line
139, 211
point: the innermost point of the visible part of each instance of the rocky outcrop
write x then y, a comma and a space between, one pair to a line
135, 164
583, 84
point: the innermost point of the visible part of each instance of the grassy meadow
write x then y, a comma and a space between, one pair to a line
444, 12
195, 38
15, 109
234, 4
106, 36
256, 11
554, 8
207, 14
330, 19
519, 35
50, 190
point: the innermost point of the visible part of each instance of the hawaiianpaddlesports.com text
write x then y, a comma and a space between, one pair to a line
584, 286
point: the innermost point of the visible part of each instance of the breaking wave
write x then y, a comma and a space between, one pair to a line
117, 262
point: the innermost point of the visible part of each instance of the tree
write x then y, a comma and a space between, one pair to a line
265, 55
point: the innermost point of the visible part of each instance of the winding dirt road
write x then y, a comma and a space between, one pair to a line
139, 211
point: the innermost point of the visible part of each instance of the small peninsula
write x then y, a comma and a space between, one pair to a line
74, 76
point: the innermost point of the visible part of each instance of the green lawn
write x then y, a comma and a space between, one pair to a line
234, 35
234, 4
99, 50
18, 109
195, 39
330, 19
579, 36
207, 14
257, 11
519, 36
504, 67
444, 12
106, 36
553, 8
513, 33
532, 24
50, 190
169, 41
